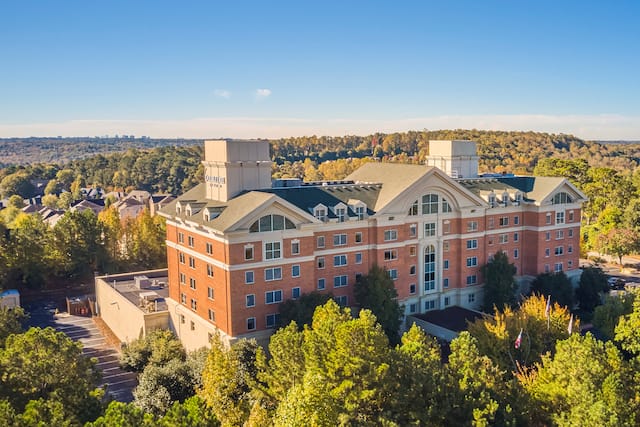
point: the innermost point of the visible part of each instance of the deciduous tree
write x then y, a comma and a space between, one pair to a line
500, 286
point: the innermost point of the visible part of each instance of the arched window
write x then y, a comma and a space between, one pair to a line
429, 268
429, 204
561, 198
413, 210
446, 207
271, 223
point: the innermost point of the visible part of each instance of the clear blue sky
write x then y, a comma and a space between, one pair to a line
269, 68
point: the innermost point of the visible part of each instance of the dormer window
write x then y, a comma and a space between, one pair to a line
359, 208
188, 210
518, 198
505, 199
360, 211
178, 208
320, 213
491, 199
341, 213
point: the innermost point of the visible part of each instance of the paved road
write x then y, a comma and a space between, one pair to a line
119, 383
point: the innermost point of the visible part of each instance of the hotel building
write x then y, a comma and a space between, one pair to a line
238, 245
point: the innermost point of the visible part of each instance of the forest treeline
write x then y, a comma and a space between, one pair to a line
606, 173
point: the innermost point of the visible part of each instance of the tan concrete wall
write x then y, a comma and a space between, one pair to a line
123, 317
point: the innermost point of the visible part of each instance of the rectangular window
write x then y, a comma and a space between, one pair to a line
191, 241
295, 271
472, 244
183, 298
393, 273
472, 226
192, 283
430, 305
212, 315
193, 325
358, 237
273, 297
569, 264
516, 237
559, 217
339, 239
412, 251
471, 298
250, 300
557, 267
516, 220
472, 279
194, 304
295, 293
321, 284
390, 255
209, 248
504, 238
320, 242
358, 258
570, 232
180, 237
274, 273
547, 236
516, 253
412, 270
546, 268
339, 260
320, 262
192, 262
503, 221
248, 277
491, 222
548, 218
181, 257
209, 270
360, 211
429, 229
547, 252
559, 234
570, 216
340, 213
445, 282
412, 308
342, 300
248, 252
559, 250
251, 323
295, 247
340, 281
570, 249
272, 250
413, 230
210, 293
390, 235
445, 246
445, 264
272, 320
183, 279
412, 288
446, 226
472, 261
447, 301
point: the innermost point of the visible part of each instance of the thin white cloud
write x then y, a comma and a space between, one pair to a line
263, 93
593, 127
222, 93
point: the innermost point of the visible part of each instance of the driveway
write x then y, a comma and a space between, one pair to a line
118, 383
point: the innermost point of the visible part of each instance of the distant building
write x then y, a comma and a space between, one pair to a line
237, 247
96, 206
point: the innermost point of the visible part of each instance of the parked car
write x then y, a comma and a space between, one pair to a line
616, 283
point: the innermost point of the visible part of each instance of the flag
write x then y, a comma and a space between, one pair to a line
570, 328
547, 310
518, 340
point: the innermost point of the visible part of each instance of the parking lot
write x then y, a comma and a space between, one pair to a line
119, 384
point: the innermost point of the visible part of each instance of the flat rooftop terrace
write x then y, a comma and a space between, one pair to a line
452, 318
146, 290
